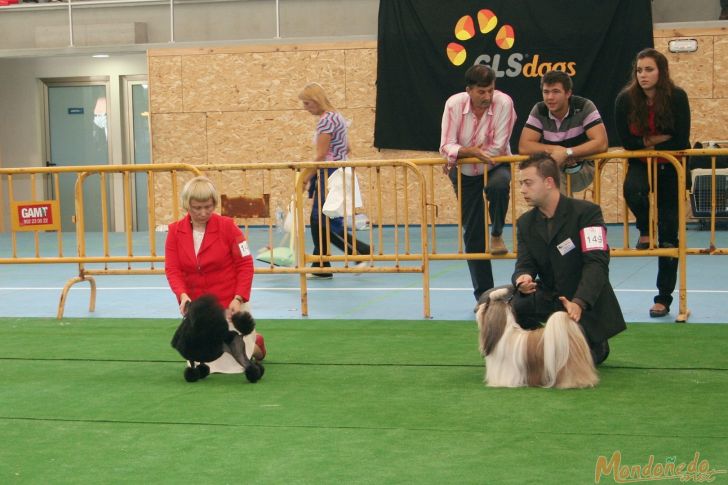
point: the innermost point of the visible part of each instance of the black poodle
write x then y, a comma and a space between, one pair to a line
203, 336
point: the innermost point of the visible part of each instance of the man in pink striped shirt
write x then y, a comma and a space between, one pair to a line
478, 124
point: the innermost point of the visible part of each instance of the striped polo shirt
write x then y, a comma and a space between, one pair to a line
569, 132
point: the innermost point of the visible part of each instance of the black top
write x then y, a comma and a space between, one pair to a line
680, 133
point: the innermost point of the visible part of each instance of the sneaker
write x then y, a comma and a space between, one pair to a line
319, 276
497, 246
362, 265
260, 343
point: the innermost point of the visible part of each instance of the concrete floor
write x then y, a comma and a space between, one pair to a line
34, 290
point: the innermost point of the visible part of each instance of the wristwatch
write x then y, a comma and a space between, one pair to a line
240, 299
569, 152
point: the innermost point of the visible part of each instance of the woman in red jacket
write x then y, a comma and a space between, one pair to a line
206, 253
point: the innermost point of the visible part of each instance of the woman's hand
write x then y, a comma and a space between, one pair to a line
183, 301
235, 304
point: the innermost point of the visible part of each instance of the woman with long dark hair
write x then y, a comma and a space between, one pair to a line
652, 113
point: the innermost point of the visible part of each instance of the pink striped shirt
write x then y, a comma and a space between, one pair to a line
461, 128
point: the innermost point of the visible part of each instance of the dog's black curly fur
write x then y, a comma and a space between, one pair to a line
203, 336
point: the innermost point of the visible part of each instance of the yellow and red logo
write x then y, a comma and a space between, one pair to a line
505, 39
465, 30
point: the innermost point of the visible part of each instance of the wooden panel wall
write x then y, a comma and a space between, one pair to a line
239, 104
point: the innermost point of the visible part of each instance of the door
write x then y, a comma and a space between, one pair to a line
138, 143
77, 134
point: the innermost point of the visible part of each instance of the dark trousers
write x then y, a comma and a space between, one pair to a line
636, 191
532, 310
471, 202
336, 227
336, 234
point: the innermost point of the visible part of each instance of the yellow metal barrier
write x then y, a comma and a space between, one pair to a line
81, 258
713, 248
397, 193
378, 190
600, 160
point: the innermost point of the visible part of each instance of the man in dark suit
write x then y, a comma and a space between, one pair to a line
563, 259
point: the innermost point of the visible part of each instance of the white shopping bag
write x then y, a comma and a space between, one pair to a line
341, 194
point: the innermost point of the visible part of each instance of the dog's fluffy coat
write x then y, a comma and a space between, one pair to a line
204, 335
556, 355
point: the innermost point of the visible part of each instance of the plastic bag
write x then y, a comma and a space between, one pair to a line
338, 183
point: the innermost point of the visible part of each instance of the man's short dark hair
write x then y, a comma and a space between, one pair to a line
545, 166
560, 77
479, 75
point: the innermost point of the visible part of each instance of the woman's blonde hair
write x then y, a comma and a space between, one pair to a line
199, 189
314, 92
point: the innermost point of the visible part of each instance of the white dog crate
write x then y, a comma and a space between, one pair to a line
701, 198
700, 184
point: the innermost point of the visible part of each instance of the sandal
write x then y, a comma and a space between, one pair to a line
659, 310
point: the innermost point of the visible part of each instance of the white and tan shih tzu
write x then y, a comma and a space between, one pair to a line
555, 355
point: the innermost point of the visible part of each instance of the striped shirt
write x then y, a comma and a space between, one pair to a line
461, 128
334, 124
569, 131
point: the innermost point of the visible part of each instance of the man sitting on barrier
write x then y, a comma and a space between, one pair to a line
478, 124
567, 127
563, 259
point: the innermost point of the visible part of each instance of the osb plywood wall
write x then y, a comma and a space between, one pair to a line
240, 105
704, 75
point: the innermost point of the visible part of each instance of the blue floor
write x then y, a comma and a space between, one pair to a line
34, 290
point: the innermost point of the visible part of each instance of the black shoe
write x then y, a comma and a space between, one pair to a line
599, 351
642, 245
659, 312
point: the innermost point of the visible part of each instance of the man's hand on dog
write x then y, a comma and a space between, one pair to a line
572, 308
525, 284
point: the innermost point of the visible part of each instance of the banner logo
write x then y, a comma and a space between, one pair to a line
513, 65
465, 30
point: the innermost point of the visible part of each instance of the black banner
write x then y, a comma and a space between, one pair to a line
425, 46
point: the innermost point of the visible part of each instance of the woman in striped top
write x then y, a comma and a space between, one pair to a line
331, 142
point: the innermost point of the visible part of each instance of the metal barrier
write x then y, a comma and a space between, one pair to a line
600, 160
718, 198
400, 194
390, 256
398, 255
79, 218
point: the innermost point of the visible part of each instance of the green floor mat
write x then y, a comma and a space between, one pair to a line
104, 401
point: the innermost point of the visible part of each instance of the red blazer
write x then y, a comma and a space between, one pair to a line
222, 267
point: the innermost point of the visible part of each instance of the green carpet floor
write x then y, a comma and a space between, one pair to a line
104, 401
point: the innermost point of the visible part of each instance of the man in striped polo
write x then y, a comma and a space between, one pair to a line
568, 128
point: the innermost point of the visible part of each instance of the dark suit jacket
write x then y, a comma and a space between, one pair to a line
575, 274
